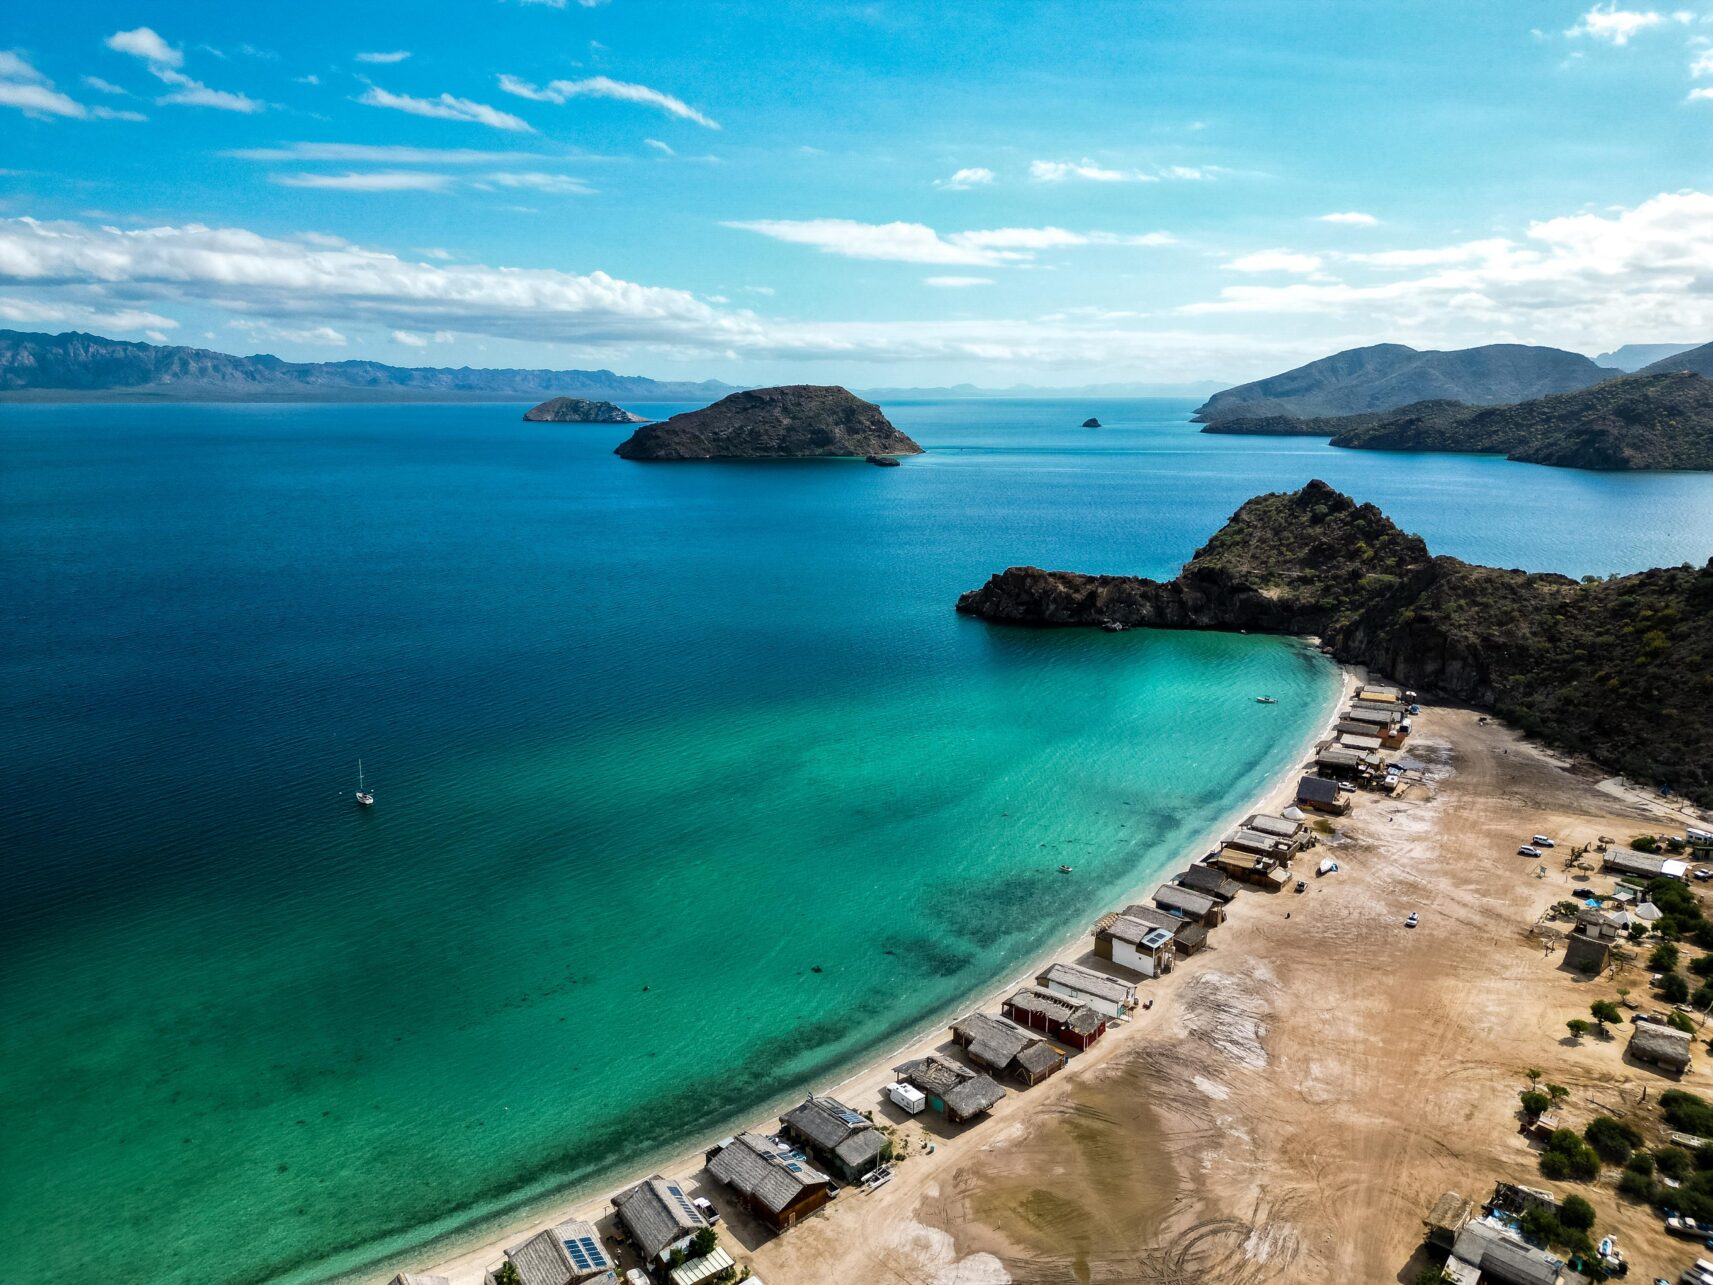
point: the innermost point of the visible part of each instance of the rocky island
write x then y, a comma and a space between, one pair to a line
575, 410
799, 421
1645, 421
1619, 669
1091, 422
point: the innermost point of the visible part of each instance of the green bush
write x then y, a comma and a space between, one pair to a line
1534, 1101
1687, 1113
1702, 965
1568, 1156
1635, 1185
1673, 988
1674, 1162
703, 1242
1576, 1213
1641, 1162
1644, 843
1680, 1022
1605, 1011
1611, 1139
1664, 958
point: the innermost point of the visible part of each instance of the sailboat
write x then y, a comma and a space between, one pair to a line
364, 798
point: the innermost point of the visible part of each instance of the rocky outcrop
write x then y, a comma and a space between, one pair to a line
1616, 669
575, 410
1091, 422
802, 421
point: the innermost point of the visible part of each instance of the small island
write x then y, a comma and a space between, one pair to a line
575, 410
1091, 422
795, 422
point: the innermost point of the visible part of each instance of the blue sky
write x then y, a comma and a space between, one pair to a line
862, 193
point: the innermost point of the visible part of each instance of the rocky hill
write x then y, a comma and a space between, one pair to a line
1618, 669
576, 410
801, 421
76, 366
1385, 376
1699, 360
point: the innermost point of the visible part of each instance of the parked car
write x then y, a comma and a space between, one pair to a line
1541, 841
1528, 850
705, 1207
1412, 921
1688, 1227
1704, 872
1302, 885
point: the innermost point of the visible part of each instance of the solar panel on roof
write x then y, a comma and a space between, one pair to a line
685, 1205
852, 1117
579, 1259
596, 1257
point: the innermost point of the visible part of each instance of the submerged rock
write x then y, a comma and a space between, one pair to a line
575, 410
801, 421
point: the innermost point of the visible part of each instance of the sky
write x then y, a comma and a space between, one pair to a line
903, 192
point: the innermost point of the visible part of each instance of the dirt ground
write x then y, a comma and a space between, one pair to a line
1301, 1092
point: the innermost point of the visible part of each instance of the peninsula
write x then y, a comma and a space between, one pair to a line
576, 410
799, 421
1647, 421
1618, 669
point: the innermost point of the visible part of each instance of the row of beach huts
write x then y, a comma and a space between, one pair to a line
780, 1178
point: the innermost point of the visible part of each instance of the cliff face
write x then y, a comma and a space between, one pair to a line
575, 410
1618, 669
802, 421
1384, 376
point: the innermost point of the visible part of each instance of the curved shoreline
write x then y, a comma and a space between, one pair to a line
466, 1265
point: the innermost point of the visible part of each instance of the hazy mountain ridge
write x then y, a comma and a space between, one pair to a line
1634, 357
1699, 360
1385, 376
75, 365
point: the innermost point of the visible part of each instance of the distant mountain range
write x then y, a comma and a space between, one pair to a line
1632, 357
1698, 360
1386, 376
75, 366
1194, 388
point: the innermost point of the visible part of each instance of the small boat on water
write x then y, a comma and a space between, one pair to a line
1265, 700
364, 798
1064, 870
1112, 626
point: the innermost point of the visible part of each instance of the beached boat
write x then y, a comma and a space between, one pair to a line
364, 797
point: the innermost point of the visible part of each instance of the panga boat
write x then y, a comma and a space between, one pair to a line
1064, 870
1265, 700
364, 798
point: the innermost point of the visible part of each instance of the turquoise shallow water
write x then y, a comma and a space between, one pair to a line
650, 744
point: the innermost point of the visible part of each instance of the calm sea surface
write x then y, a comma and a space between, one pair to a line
651, 745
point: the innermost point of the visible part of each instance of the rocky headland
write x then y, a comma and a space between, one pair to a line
1646, 421
799, 421
576, 410
1619, 669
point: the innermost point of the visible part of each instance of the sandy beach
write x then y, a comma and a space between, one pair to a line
1298, 1093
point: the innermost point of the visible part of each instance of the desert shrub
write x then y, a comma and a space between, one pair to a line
1674, 1162
1644, 843
1534, 1101
1576, 1213
1640, 1162
1680, 1022
1687, 1113
1673, 988
1612, 1139
1664, 958
1568, 1156
1636, 1185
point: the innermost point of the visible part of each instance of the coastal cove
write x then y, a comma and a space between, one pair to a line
692, 789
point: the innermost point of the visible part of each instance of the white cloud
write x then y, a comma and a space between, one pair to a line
446, 107
434, 252
36, 310
370, 181
962, 180
24, 87
1276, 261
409, 338
1059, 171
1703, 65
145, 44
392, 56
537, 181
956, 283
665, 149
101, 86
385, 154
1354, 218
561, 91
164, 62
1704, 94
1613, 25
310, 79
324, 335
1571, 281
918, 243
